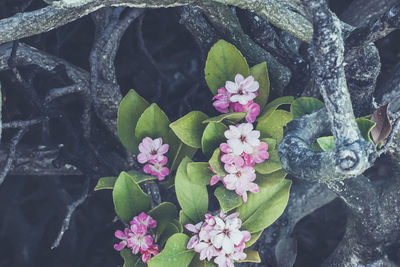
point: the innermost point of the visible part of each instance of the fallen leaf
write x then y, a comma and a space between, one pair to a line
383, 127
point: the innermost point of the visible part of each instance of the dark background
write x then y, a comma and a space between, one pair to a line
32, 207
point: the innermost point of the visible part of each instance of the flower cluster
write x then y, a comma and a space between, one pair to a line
219, 236
239, 154
238, 97
152, 152
138, 237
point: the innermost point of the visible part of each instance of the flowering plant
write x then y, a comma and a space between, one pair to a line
242, 170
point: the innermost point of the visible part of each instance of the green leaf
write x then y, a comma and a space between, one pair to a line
228, 200
365, 126
224, 61
163, 214
260, 74
254, 238
271, 179
228, 118
305, 105
129, 111
184, 219
129, 199
178, 150
274, 105
252, 256
196, 262
189, 128
326, 143
273, 125
265, 207
270, 165
199, 173
153, 123
193, 198
213, 135
105, 183
169, 231
216, 164
174, 253
140, 177
271, 143
131, 260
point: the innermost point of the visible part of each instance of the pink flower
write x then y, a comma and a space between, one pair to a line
260, 153
138, 240
241, 180
242, 138
226, 233
146, 255
219, 236
242, 90
206, 250
123, 236
228, 157
222, 101
194, 240
157, 169
152, 150
252, 109
215, 178
144, 219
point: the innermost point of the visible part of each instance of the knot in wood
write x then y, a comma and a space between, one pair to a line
348, 159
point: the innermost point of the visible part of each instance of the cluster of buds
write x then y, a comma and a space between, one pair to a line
238, 97
219, 236
152, 153
138, 237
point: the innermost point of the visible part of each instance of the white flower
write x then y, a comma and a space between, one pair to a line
242, 90
242, 138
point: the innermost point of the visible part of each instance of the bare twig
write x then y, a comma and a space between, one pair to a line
11, 154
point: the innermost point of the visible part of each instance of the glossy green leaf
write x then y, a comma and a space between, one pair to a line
130, 259
140, 177
274, 105
178, 150
189, 128
260, 74
199, 173
184, 219
228, 200
224, 61
213, 136
326, 143
228, 118
129, 199
273, 126
270, 165
129, 112
153, 123
174, 253
105, 183
271, 179
252, 256
253, 239
196, 262
169, 231
216, 164
192, 198
365, 126
305, 105
265, 207
163, 214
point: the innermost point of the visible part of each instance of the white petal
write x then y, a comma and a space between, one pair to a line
231, 87
232, 133
239, 78
246, 128
236, 145
227, 245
